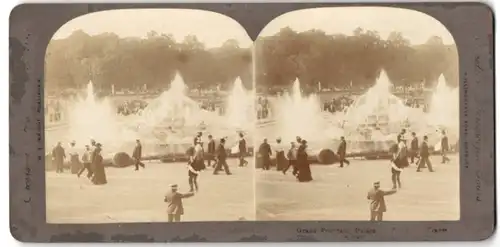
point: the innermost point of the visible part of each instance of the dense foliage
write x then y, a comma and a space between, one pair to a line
338, 61
129, 63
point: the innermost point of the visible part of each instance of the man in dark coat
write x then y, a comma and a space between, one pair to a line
413, 147
173, 198
221, 158
137, 155
242, 150
211, 151
444, 147
424, 156
377, 201
341, 152
58, 156
265, 155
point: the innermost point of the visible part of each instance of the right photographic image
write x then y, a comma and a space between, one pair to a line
357, 117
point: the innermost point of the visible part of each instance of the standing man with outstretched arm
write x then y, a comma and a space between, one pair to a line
377, 201
173, 198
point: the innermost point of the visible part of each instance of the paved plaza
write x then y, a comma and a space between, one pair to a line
340, 193
334, 194
137, 196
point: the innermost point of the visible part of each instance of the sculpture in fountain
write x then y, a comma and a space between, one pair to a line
378, 112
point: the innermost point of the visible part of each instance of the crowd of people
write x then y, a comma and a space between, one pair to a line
53, 111
402, 157
214, 157
90, 159
296, 158
263, 108
131, 107
199, 160
338, 104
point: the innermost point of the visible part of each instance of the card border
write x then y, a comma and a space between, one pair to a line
471, 24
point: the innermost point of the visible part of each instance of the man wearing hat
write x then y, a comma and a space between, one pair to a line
58, 156
264, 155
174, 203
242, 150
221, 158
137, 155
377, 201
341, 152
210, 150
424, 156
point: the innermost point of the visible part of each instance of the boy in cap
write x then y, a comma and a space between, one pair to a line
377, 201
174, 203
86, 162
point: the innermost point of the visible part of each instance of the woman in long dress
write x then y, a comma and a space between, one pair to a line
99, 171
303, 163
280, 156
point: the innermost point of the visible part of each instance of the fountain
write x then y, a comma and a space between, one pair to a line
444, 107
165, 127
299, 115
377, 109
370, 125
444, 111
90, 118
239, 106
170, 121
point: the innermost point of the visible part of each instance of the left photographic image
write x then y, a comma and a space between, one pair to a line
148, 118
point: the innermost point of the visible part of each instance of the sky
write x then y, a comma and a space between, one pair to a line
416, 26
211, 28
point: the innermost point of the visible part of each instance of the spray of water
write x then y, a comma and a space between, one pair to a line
239, 106
90, 118
299, 115
378, 104
173, 108
444, 106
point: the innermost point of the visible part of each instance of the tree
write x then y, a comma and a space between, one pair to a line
129, 63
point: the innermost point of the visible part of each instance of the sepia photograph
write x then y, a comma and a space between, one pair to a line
357, 117
149, 115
